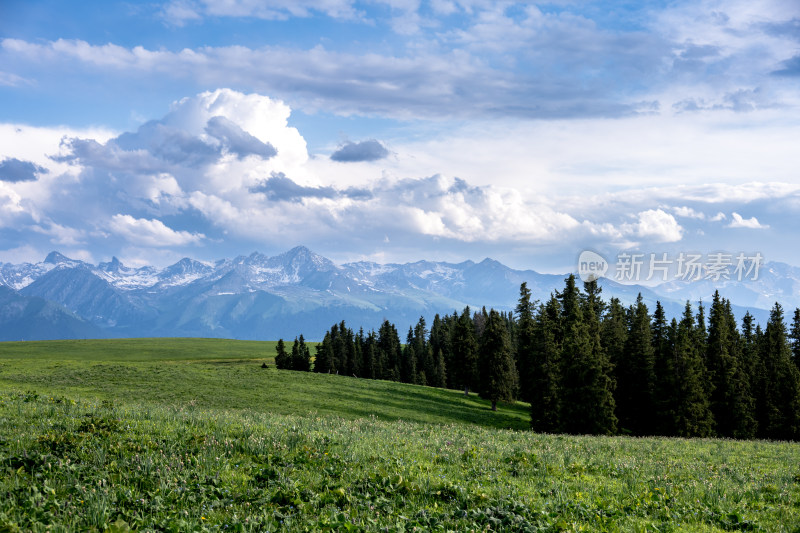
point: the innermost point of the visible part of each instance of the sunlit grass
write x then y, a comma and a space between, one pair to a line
220, 444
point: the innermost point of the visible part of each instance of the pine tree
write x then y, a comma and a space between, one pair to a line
781, 415
525, 342
693, 417
498, 370
544, 371
408, 364
794, 335
587, 401
664, 372
636, 375
282, 359
465, 353
731, 399
300, 358
324, 355
389, 351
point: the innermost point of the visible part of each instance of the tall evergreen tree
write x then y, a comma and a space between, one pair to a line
300, 358
545, 369
664, 372
614, 335
692, 415
282, 359
587, 401
794, 335
731, 400
389, 351
636, 375
525, 342
498, 369
465, 353
781, 416
324, 355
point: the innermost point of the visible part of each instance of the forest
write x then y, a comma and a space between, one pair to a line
587, 366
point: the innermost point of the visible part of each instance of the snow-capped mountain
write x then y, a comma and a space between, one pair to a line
262, 297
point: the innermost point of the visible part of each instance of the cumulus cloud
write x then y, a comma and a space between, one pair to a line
739, 222
688, 212
352, 152
656, 225
151, 232
208, 185
238, 141
14, 170
280, 188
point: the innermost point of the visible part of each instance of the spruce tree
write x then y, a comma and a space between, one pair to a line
731, 399
693, 417
300, 358
465, 353
664, 372
324, 355
781, 415
545, 371
794, 335
389, 351
636, 375
282, 359
497, 361
525, 342
587, 402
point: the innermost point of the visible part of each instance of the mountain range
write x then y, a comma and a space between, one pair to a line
299, 291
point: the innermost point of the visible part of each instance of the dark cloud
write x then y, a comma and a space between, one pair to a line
172, 145
351, 152
238, 141
14, 170
791, 67
282, 189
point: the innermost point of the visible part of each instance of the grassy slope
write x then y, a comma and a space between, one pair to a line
225, 374
142, 442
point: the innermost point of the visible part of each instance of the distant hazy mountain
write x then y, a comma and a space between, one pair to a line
261, 297
24, 318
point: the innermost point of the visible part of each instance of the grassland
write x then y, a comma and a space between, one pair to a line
184, 435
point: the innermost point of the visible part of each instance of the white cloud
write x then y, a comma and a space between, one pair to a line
9, 79
180, 11
151, 232
688, 212
740, 222
656, 225
61, 235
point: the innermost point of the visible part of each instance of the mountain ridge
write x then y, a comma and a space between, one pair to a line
299, 291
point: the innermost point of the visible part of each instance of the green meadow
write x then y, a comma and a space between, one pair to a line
193, 435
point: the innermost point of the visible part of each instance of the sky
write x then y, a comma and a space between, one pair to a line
399, 130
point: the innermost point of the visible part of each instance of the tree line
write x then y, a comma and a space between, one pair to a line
587, 366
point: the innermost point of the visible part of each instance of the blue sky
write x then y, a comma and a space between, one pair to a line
397, 130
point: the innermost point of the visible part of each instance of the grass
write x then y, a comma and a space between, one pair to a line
164, 454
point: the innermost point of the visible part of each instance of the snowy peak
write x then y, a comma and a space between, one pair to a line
56, 258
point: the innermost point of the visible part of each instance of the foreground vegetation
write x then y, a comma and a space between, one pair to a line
71, 464
182, 435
